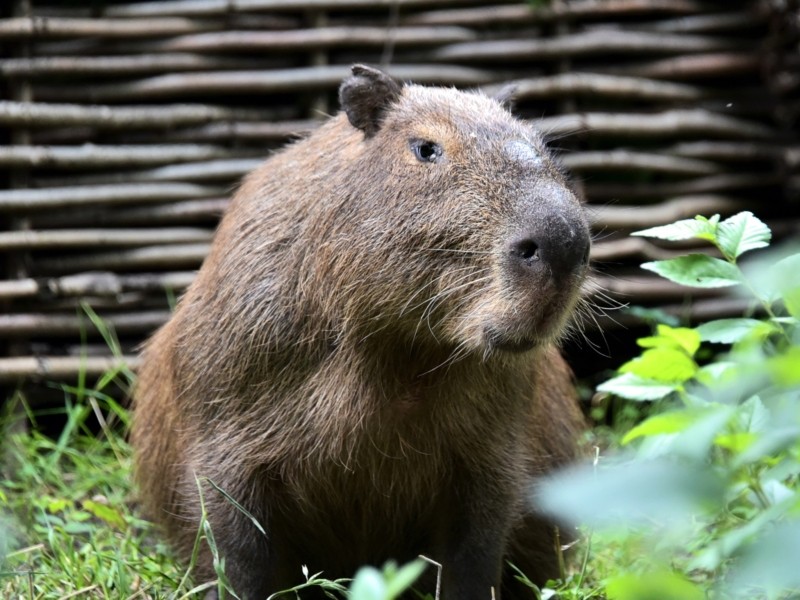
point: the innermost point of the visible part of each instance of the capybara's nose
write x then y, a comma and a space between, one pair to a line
556, 251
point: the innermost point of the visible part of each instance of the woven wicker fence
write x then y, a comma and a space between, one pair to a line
128, 125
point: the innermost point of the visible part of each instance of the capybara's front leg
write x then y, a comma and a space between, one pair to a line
252, 559
475, 542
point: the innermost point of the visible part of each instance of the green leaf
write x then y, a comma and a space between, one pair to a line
404, 578
769, 563
699, 227
633, 492
109, 514
785, 368
717, 372
697, 270
661, 585
697, 440
777, 440
753, 416
735, 442
633, 387
731, 331
679, 338
740, 233
786, 275
57, 505
78, 528
368, 584
663, 424
666, 365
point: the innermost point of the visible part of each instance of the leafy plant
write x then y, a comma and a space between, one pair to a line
706, 496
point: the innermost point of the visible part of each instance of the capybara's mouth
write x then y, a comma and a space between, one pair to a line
498, 340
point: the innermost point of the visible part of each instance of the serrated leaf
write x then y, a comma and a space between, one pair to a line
742, 232
680, 338
753, 416
665, 365
663, 424
683, 230
633, 387
731, 331
697, 270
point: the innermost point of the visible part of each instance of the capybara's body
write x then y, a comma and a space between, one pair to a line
365, 360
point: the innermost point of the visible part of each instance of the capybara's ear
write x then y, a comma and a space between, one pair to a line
365, 96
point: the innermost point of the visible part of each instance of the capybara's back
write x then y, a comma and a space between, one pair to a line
366, 361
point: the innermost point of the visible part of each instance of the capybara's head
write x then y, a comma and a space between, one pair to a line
453, 222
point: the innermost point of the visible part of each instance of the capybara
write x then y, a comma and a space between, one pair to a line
366, 361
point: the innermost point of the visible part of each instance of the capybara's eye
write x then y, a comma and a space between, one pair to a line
426, 151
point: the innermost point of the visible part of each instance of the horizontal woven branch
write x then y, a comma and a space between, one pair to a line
240, 131
630, 249
90, 155
708, 23
321, 37
32, 325
113, 65
167, 258
711, 184
613, 218
671, 123
644, 288
39, 114
594, 84
693, 66
581, 44
218, 170
625, 160
747, 152
99, 238
223, 7
34, 200
480, 15
263, 82
54, 27
97, 284
62, 367
172, 213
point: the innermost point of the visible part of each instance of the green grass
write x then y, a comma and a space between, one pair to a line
68, 519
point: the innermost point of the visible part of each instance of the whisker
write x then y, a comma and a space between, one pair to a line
461, 251
471, 273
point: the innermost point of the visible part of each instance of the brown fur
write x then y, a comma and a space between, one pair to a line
363, 363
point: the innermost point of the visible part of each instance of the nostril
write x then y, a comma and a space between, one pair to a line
526, 249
